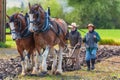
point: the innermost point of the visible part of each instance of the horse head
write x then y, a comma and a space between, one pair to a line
36, 14
17, 25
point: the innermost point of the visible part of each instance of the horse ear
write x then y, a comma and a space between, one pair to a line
7, 16
29, 5
15, 15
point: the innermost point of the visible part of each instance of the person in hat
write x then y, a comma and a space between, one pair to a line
91, 39
75, 43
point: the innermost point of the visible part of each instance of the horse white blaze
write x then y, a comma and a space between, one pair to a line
59, 68
31, 24
45, 54
12, 27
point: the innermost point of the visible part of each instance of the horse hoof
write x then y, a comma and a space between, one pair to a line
58, 73
32, 75
34, 71
42, 74
53, 72
23, 74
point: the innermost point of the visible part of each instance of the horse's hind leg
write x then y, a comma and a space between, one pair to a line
60, 57
54, 62
44, 56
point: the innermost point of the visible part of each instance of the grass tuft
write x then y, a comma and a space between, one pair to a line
3, 45
109, 42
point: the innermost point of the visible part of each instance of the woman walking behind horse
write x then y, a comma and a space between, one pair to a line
23, 38
91, 39
75, 43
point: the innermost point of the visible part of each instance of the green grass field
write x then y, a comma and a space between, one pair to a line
106, 33
108, 37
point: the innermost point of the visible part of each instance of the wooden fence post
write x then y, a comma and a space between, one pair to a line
2, 20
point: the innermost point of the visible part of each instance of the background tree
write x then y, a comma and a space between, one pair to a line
102, 13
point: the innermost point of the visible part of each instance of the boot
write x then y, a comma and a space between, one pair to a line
93, 64
88, 65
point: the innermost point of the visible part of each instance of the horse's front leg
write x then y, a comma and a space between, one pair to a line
44, 58
60, 57
22, 62
28, 65
36, 63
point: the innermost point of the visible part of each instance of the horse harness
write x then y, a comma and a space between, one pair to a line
49, 24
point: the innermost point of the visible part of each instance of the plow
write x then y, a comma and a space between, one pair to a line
69, 60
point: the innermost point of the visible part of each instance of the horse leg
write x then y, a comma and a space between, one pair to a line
60, 57
32, 59
36, 59
28, 66
22, 62
54, 62
44, 64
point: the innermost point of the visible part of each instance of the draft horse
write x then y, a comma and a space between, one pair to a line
47, 33
23, 38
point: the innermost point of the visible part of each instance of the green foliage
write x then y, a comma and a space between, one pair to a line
9, 41
108, 42
56, 9
3, 45
102, 13
99, 12
7, 30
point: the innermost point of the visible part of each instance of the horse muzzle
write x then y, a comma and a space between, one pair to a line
14, 36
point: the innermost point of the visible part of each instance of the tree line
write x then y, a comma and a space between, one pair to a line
103, 14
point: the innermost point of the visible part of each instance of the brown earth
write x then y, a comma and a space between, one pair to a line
10, 61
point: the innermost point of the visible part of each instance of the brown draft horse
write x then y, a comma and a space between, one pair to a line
47, 33
23, 38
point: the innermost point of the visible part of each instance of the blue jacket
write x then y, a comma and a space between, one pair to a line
90, 41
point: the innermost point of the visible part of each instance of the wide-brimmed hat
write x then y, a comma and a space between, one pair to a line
90, 25
72, 25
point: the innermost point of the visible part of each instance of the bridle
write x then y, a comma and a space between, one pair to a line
45, 26
17, 21
37, 20
19, 32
